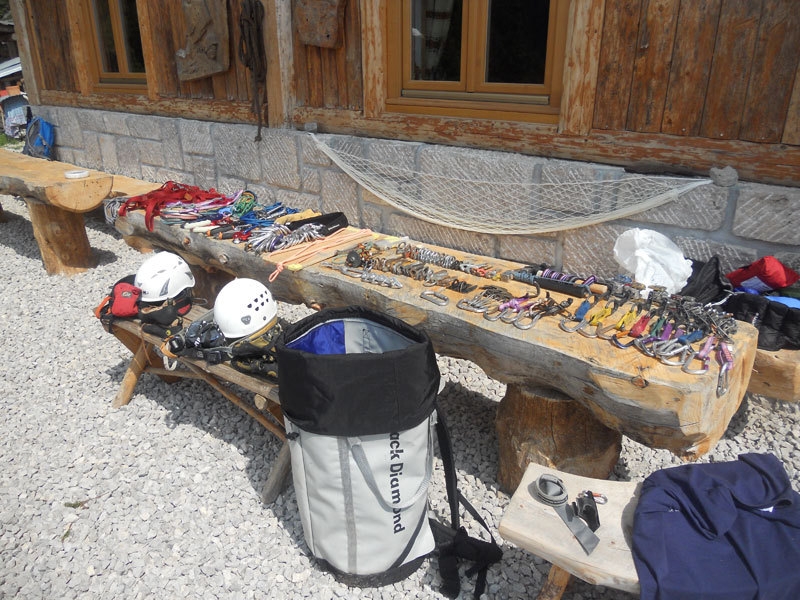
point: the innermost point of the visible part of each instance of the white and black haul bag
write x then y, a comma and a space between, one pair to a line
358, 391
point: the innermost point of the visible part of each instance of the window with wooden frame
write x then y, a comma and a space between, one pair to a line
115, 46
477, 58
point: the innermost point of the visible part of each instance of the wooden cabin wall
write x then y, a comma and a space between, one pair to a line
49, 26
719, 69
168, 27
58, 49
681, 85
332, 77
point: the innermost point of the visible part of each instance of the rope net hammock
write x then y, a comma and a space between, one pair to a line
515, 204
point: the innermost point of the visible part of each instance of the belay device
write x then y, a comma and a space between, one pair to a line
358, 391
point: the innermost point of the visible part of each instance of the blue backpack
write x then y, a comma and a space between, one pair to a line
39, 138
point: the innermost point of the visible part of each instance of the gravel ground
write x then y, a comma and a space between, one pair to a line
160, 499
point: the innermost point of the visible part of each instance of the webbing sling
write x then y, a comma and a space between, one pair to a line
549, 489
170, 192
453, 541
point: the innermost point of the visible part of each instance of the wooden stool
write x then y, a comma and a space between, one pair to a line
537, 528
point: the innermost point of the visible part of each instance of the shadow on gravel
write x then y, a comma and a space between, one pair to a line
19, 233
738, 422
470, 419
194, 403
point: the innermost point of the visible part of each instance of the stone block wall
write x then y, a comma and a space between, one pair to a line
737, 221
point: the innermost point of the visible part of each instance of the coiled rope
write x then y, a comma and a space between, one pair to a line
252, 55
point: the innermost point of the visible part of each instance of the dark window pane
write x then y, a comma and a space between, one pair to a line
517, 45
133, 41
436, 40
108, 52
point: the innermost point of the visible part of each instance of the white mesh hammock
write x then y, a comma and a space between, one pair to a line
511, 203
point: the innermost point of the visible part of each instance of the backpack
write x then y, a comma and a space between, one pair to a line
358, 391
39, 139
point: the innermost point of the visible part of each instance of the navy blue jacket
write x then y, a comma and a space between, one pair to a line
699, 532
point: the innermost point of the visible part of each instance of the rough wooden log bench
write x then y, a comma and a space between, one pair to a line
569, 398
776, 374
57, 194
537, 528
264, 407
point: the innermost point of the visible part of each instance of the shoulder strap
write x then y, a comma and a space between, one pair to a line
453, 541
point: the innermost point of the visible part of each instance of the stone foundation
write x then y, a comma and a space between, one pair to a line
737, 221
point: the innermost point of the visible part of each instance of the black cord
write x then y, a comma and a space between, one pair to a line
251, 53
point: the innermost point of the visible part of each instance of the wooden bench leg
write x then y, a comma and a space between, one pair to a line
133, 343
557, 581
62, 239
548, 428
135, 370
278, 477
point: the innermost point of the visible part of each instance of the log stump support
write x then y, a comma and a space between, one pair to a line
62, 239
545, 426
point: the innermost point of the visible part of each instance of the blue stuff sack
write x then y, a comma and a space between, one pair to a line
39, 138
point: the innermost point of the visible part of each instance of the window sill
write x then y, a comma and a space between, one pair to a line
497, 111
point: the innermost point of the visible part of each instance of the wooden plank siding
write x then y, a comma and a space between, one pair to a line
719, 69
775, 62
617, 53
50, 28
691, 65
677, 85
651, 65
332, 77
730, 69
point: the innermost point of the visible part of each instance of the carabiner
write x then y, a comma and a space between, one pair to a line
725, 359
531, 313
492, 313
623, 324
702, 356
435, 297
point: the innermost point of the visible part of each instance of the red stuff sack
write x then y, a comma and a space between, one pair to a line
121, 303
764, 275
125, 300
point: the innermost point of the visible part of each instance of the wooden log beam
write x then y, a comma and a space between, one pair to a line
46, 182
655, 404
278, 476
135, 369
776, 375
766, 163
134, 342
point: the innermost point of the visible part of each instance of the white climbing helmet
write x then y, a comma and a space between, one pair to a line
163, 275
244, 306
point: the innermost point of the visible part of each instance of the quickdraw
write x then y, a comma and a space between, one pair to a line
528, 318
